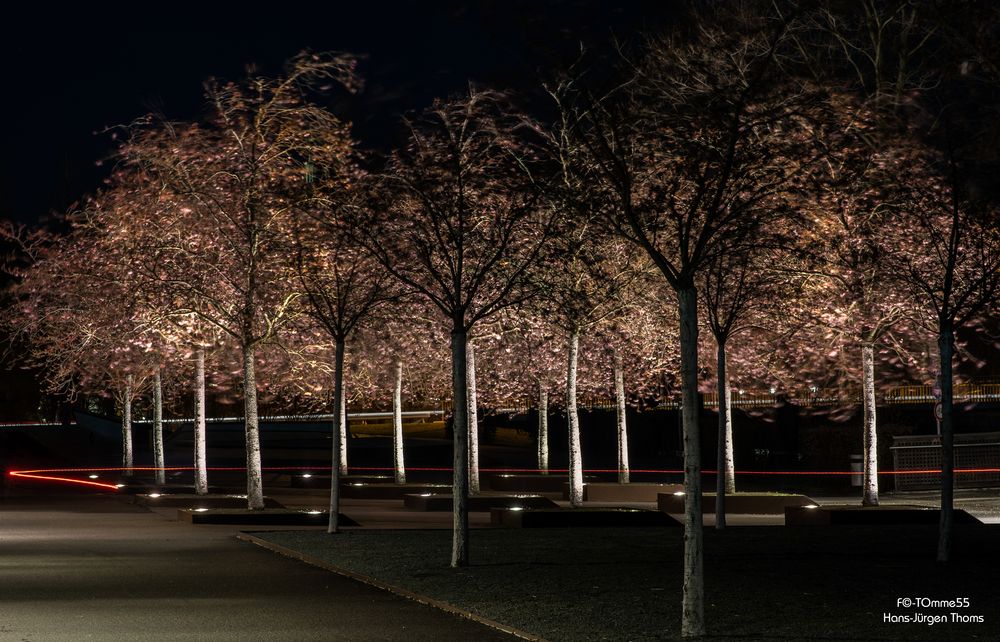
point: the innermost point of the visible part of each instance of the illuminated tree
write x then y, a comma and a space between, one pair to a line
695, 150
953, 268
851, 296
930, 73
460, 226
736, 286
343, 285
589, 284
527, 358
79, 341
233, 185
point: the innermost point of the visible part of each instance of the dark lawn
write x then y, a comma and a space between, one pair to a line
816, 583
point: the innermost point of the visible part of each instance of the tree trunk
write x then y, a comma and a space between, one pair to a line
870, 430
621, 422
200, 435
543, 429
251, 422
946, 345
342, 423
338, 395
693, 599
460, 463
397, 426
725, 434
161, 474
127, 461
572, 416
730, 457
470, 364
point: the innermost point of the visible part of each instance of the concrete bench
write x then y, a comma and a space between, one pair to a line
580, 518
738, 503
836, 515
477, 503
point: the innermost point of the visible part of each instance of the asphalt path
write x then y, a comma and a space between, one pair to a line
83, 567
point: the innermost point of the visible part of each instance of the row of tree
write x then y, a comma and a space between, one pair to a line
817, 184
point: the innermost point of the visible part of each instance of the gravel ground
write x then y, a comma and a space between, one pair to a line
762, 583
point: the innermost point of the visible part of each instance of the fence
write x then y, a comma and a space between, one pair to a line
973, 452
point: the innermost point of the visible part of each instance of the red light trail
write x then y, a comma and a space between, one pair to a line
46, 474
26, 474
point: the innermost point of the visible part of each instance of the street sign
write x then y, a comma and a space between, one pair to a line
938, 411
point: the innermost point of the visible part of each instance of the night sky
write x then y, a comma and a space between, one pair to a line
67, 84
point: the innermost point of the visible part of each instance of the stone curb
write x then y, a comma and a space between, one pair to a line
379, 584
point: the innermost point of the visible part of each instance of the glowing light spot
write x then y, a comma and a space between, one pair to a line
426, 494
153, 495
810, 506
306, 476
93, 476
357, 484
679, 493
517, 508
314, 512
200, 510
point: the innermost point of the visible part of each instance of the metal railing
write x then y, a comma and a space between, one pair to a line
351, 416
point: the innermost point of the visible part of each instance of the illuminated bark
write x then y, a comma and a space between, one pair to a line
398, 464
621, 422
543, 429
255, 483
338, 412
158, 461
200, 435
573, 419
341, 424
460, 465
693, 601
870, 482
724, 452
470, 362
127, 426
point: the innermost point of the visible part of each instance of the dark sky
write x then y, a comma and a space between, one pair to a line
66, 84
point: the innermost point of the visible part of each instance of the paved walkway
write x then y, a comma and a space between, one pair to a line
83, 567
